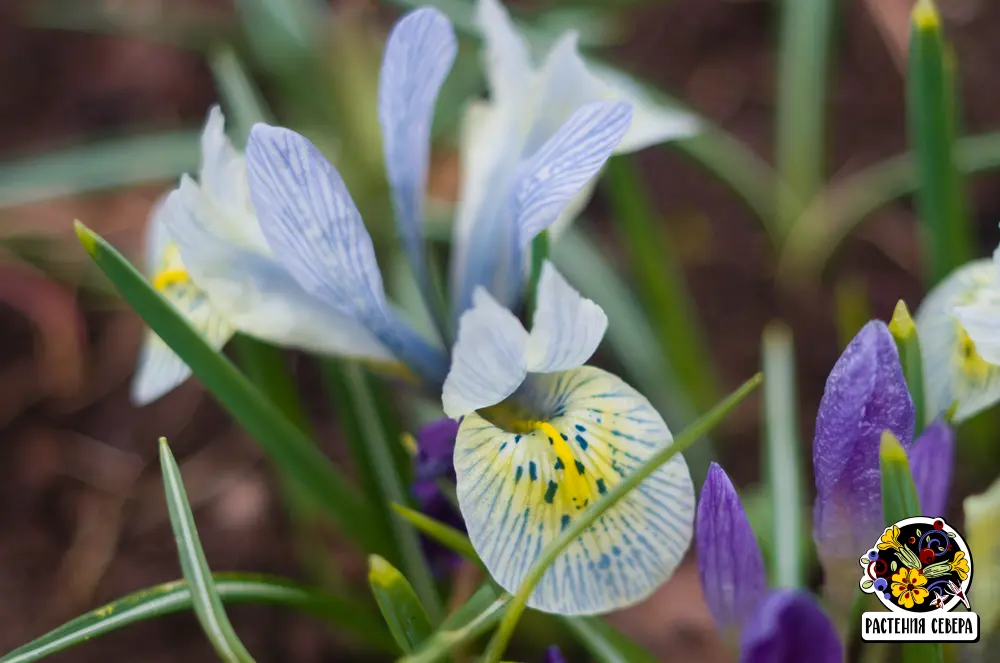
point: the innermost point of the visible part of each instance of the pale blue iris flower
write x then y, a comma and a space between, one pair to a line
527, 106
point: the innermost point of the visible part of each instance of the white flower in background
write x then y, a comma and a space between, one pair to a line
541, 437
526, 106
958, 324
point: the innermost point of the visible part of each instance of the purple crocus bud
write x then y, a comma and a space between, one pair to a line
932, 459
865, 395
789, 627
729, 559
554, 655
435, 448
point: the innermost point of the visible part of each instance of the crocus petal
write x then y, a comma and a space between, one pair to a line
982, 529
865, 395
932, 459
435, 449
419, 54
729, 559
488, 362
789, 627
517, 491
567, 328
558, 170
554, 655
954, 371
316, 233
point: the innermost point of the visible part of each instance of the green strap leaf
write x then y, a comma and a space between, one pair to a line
904, 331
445, 640
444, 534
605, 643
401, 609
686, 438
207, 604
295, 454
174, 597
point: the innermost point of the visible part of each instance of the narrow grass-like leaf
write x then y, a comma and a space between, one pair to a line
539, 253
174, 597
806, 27
900, 501
401, 609
444, 534
205, 598
630, 336
605, 643
904, 331
244, 101
293, 452
111, 164
590, 515
784, 466
391, 488
836, 213
932, 110
444, 641
660, 283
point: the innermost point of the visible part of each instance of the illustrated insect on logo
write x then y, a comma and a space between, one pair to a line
921, 570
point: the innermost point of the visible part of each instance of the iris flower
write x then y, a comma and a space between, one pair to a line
776, 626
958, 322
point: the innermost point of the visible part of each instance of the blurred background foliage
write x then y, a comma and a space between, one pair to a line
794, 204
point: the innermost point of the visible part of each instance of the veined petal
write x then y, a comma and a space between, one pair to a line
567, 327
255, 293
789, 627
488, 361
932, 460
311, 222
954, 370
507, 59
158, 371
565, 163
419, 54
729, 559
518, 490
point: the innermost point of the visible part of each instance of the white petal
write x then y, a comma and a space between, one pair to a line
488, 360
559, 170
418, 56
518, 490
567, 327
507, 58
950, 372
256, 294
159, 371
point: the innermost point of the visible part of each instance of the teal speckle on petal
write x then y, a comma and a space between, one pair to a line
550, 492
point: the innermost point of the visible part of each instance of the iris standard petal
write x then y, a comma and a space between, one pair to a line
488, 362
554, 174
789, 627
418, 55
865, 395
954, 371
567, 327
316, 233
506, 56
518, 490
729, 559
932, 459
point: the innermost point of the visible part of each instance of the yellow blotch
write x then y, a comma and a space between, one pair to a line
576, 483
969, 360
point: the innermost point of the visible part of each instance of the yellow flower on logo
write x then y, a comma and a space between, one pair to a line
890, 539
960, 565
908, 587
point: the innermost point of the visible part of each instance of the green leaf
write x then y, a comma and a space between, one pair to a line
660, 283
245, 103
605, 643
401, 609
803, 78
293, 452
867, 584
630, 337
904, 331
931, 108
444, 534
899, 501
446, 640
174, 597
590, 515
784, 467
111, 164
207, 604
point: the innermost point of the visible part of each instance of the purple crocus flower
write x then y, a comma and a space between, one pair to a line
729, 560
932, 459
435, 448
788, 627
865, 395
554, 655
